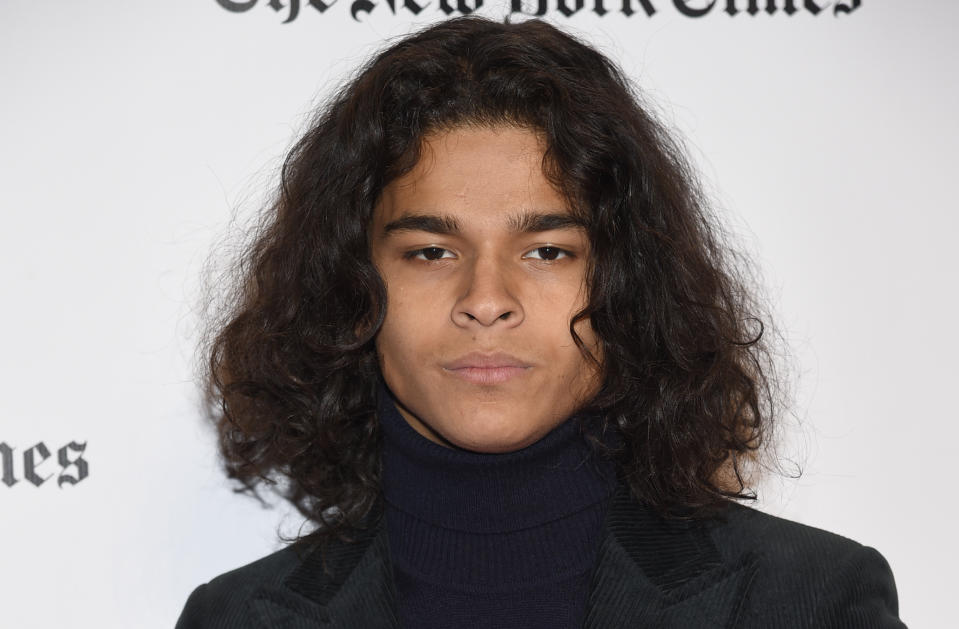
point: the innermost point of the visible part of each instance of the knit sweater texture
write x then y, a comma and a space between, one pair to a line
492, 540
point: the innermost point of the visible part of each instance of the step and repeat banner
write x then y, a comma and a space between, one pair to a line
138, 137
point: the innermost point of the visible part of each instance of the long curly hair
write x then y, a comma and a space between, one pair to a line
291, 372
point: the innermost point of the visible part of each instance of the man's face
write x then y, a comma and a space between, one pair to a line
484, 266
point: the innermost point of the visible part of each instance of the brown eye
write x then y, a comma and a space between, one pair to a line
546, 253
431, 253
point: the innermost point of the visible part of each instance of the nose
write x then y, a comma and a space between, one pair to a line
487, 297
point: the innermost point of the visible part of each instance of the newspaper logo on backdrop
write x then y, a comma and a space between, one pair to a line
27, 465
567, 8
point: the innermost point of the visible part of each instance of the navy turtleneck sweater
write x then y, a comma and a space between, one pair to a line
491, 540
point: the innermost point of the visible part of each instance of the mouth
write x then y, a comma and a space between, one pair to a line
487, 369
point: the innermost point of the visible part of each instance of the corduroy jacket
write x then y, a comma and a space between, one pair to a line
744, 569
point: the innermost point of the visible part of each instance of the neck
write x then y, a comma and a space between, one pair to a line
489, 493
482, 535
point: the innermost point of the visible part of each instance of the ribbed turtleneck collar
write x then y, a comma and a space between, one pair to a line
481, 493
506, 540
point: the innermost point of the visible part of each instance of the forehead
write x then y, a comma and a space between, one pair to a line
477, 174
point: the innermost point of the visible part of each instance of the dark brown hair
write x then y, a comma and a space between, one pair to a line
292, 376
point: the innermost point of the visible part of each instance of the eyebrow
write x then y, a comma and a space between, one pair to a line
525, 222
432, 223
530, 222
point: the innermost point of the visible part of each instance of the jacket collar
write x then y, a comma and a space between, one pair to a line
656, 572
337, 585
650, 572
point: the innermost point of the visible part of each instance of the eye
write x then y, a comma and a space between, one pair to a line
430, 253
547, 253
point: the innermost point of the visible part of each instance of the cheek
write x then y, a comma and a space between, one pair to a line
589, 372
406, 329
394, 343
584, 330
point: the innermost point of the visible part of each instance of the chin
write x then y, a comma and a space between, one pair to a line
493, 436
492, 445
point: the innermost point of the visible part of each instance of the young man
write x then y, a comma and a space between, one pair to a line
490, 344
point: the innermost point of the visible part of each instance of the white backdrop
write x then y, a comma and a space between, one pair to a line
130, 131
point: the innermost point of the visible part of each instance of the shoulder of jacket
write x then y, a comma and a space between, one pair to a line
745, 529
830, 580
271, 569
215, 603
790, 556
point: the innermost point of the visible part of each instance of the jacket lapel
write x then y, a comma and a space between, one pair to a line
654, 572
338, 586
650, 572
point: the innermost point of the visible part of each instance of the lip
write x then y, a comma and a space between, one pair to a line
480, 368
